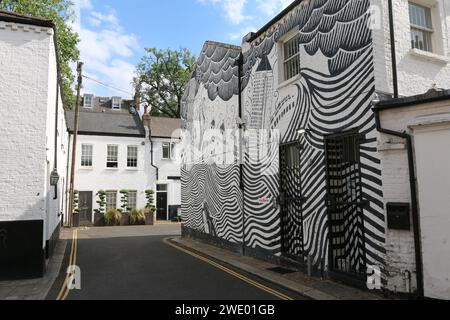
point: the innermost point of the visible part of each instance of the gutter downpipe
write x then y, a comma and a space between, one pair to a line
411, 165
241, 164
55, 161
414, 201
152, 158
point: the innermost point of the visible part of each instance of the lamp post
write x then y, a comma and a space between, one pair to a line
54, 179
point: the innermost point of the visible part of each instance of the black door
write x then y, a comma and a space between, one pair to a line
85, 206
291, 202
161, 205
345, 204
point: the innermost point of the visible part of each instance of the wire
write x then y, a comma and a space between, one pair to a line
108, 85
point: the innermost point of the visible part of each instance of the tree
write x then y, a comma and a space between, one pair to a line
61, 13
161, 78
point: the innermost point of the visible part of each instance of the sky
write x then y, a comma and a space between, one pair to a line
115, 33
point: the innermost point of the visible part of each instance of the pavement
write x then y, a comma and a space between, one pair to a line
310, 287
138, 263
35, 289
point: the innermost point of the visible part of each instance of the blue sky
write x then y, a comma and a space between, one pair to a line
114, 33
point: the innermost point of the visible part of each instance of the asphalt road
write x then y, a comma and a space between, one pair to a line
115, 265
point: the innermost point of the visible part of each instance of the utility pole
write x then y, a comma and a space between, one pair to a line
74, 143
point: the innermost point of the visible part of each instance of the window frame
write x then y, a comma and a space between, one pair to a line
426, 31
83, 156
116, 103
293, 35
109, 156
135, 193
134, 162
90, 105
108, 193
169, 146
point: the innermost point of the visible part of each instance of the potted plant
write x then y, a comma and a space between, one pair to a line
124, 209
100, 212
112, 218
76, 209
150, 208
137, 218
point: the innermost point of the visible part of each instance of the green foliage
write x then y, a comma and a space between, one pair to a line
61, 13
101, 202
150, 196
161, 78
124, 200
76, 201
112, 217
137, 216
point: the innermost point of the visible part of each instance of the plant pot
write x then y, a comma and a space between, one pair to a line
125, 220
98, 220
149, 221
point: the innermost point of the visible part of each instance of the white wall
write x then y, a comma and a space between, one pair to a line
395, 176
99, 177
168, 168
27, 110
432, 149
417, 71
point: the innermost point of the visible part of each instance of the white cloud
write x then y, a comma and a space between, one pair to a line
105, 49
233, 9
272, 7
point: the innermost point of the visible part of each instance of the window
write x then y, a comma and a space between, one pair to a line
421, 27
111, 200
116, 102
168, 151
112, 158
87, 101
132, 157
291, 57
161, 188
132, 200
86, 155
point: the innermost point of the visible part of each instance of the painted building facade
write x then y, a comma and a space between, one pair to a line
117, 150
33, 144
294, 107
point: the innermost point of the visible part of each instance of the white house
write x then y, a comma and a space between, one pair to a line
33, 144
115, 152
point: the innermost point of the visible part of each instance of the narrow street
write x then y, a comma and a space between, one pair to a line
139, 263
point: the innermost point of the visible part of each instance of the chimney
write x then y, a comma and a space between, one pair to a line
146, 118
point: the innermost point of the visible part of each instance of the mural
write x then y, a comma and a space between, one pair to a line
331, 94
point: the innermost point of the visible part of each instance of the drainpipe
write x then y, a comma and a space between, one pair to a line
152, 163
55, 160
146, 119
393, 49
241, 164
413, 190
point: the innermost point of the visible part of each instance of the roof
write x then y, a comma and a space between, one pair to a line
107, 124
165, 127
104, 104
432, 95
18, 18
254, 36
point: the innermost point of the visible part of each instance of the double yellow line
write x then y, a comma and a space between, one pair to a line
64, 292
231, 272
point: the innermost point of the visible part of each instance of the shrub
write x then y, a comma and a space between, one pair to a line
137, 216
112, 217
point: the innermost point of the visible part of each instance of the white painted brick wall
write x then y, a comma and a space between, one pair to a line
400, 244
416, 73
27, 110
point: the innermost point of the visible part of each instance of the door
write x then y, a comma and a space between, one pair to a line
291, 202
347, 255
85, 206
432, 152
161, 205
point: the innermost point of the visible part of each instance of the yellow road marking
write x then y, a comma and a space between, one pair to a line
231, 272
64, 292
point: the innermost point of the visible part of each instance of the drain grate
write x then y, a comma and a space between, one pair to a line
281, 270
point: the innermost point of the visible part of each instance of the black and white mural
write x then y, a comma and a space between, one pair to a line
314, 133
